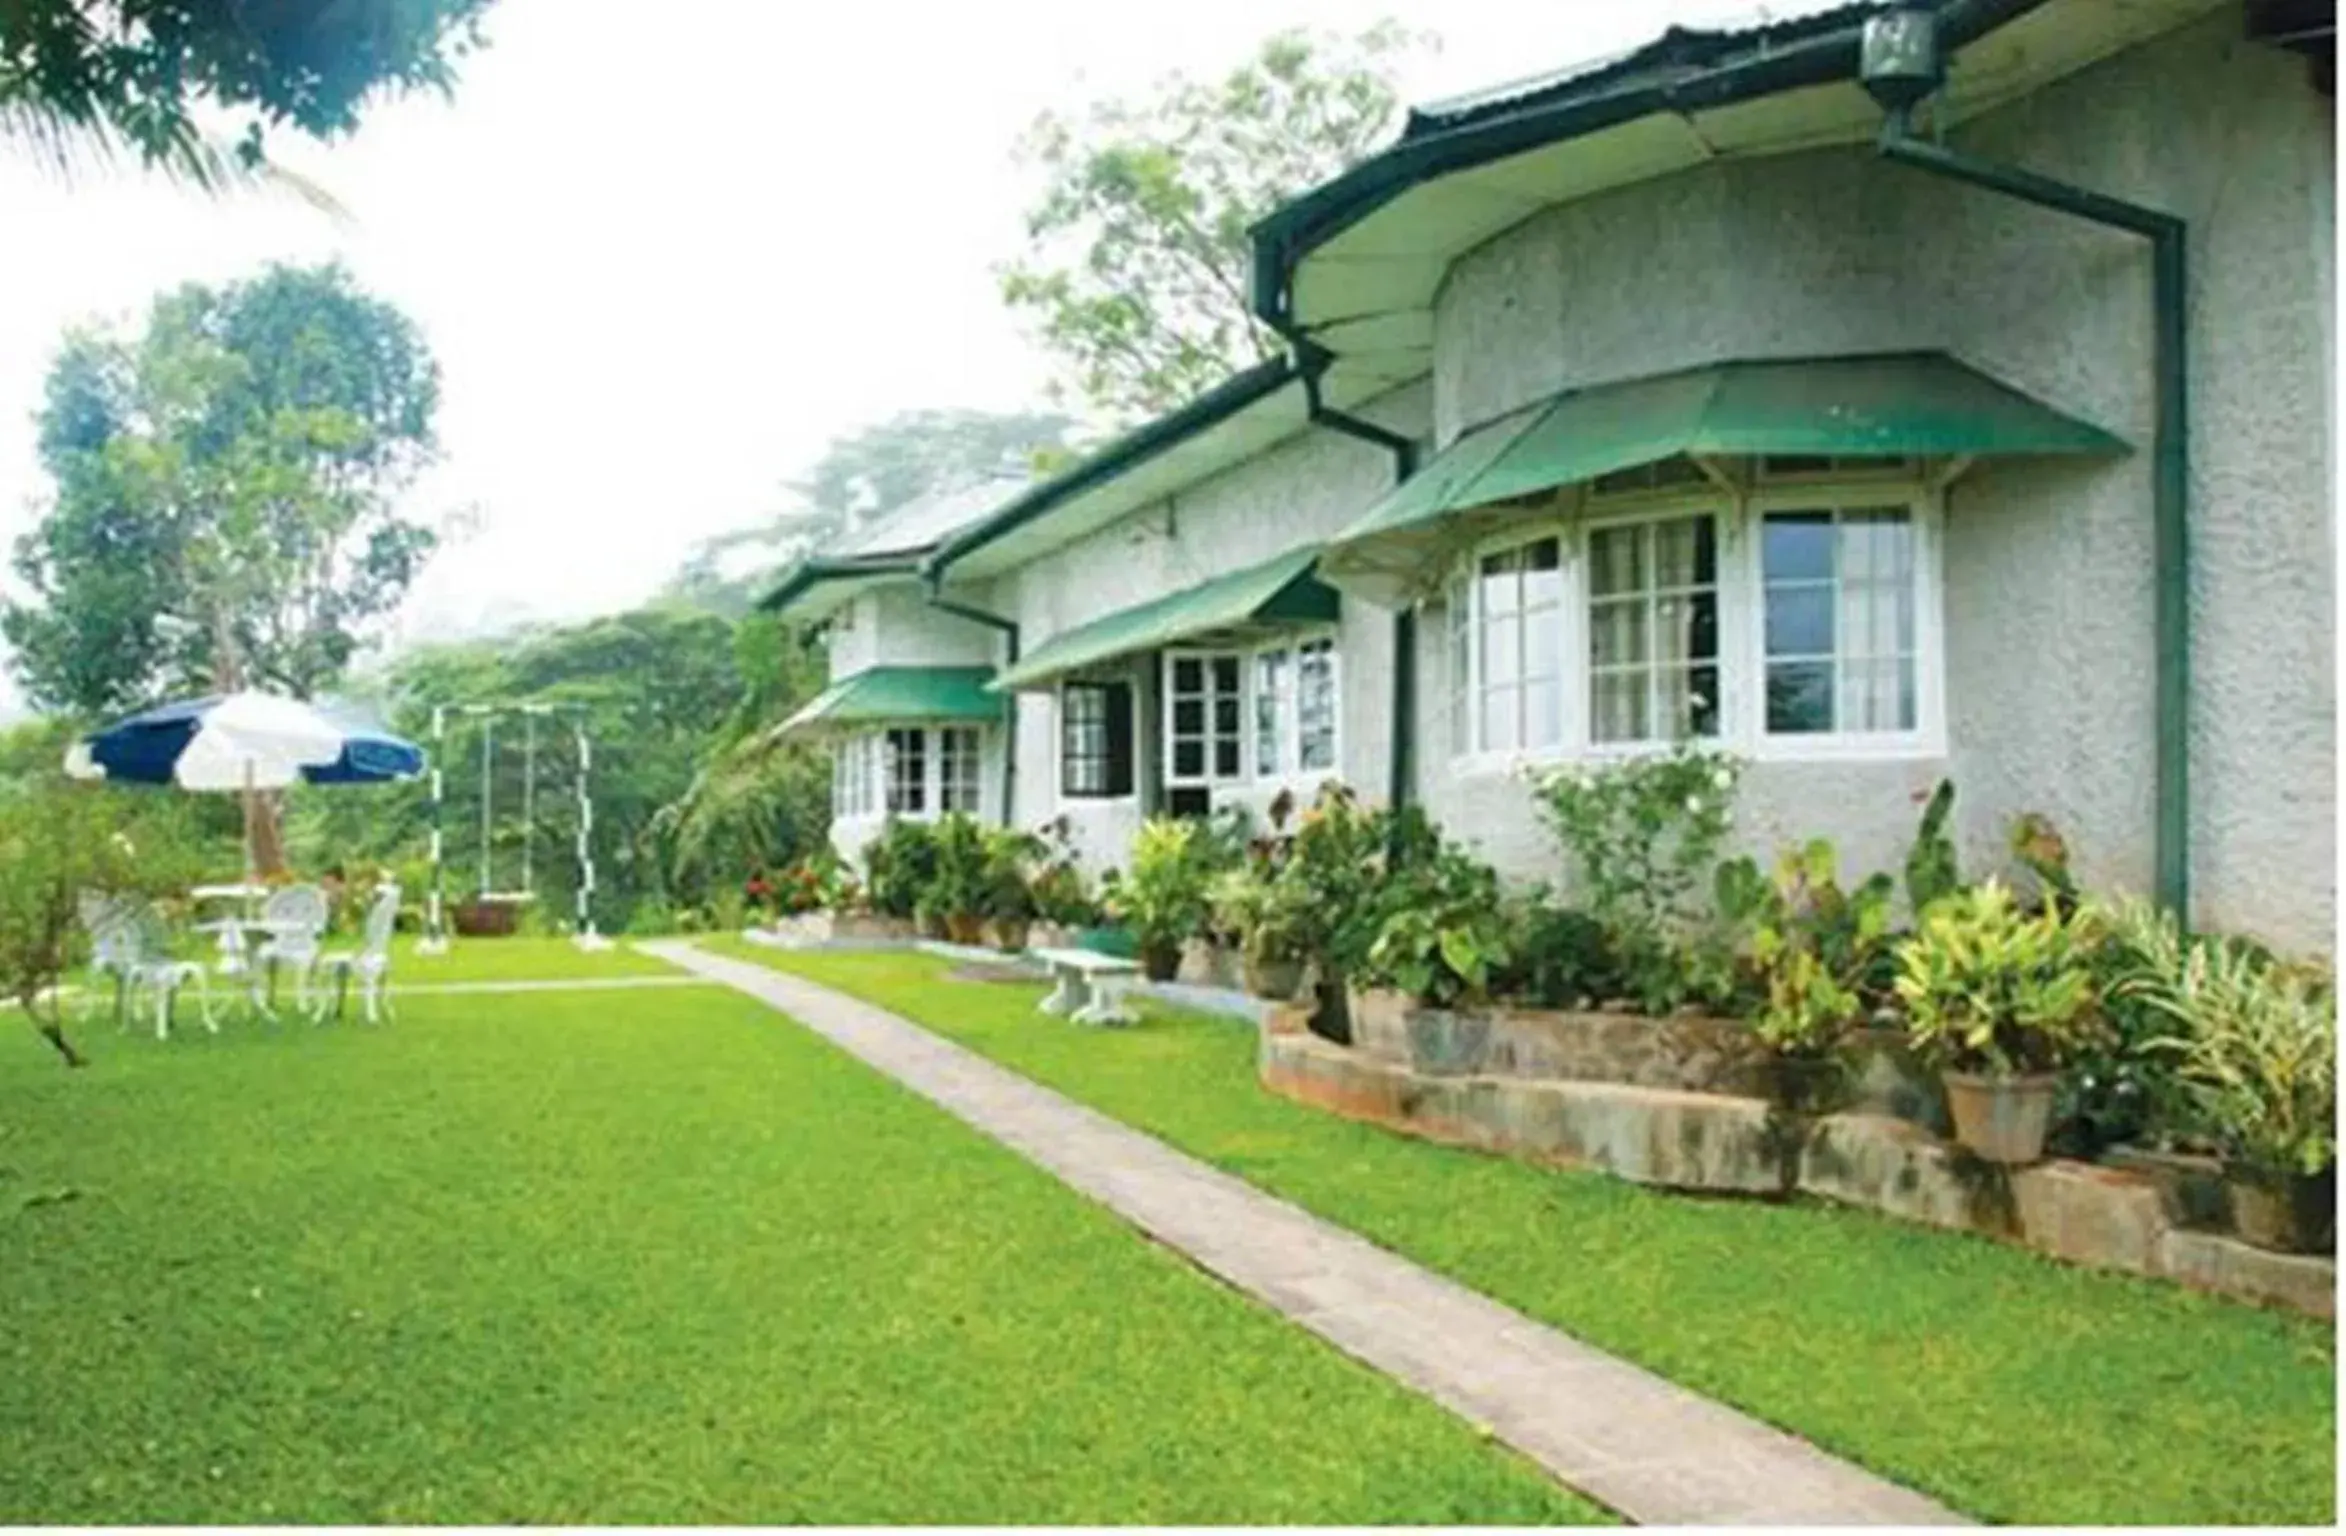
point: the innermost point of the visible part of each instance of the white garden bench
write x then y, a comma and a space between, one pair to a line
1089, 986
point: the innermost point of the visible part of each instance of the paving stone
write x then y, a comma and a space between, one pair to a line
1651, 1450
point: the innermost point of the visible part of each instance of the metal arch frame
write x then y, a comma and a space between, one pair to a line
584, 934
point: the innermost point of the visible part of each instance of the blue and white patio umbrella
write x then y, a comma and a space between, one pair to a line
241, 741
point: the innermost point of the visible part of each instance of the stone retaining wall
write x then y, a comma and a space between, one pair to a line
2112, 1217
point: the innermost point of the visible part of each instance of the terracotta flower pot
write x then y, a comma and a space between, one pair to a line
966, 928
1010, 935
2001, 1119
2284, 1212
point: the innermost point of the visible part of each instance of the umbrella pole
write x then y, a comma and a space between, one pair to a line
252, 816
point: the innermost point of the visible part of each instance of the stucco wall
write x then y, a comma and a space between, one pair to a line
893, 627
1308, 487
2048, 568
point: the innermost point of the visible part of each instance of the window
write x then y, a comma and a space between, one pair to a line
957, 769
1840, 597
1095, 740
1315, 705
1274, 697
1653, 631
1512, 650
904, 759
1202, 703
851, 776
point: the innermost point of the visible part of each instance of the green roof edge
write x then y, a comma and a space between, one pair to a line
1224, 400
1283, 237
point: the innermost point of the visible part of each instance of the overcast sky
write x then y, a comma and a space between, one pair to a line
664, 253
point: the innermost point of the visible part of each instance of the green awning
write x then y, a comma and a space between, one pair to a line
887, 695
1278, 592
1901, 405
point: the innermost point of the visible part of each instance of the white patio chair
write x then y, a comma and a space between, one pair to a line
370, 962
113, 951
294, 919
153, 970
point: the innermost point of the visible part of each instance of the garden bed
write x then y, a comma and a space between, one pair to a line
1665, 1134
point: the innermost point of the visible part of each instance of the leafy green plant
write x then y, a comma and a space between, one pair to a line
1817, 955
1931, 870
1561, 957
2254, 1041
960, 884
1162, 897
899, 866
1642, 836
2121, 1086
1445, 937
1007, 888
1990, 987
2039, 847
1270, 915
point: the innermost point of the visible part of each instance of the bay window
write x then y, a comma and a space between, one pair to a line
1795, 616
912, 771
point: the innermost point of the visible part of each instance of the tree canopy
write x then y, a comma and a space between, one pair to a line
105, 73
226, 488
1137, 276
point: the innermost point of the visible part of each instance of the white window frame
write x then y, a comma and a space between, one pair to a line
1243, 736
1927, 507
1738, 512
1059, 793
964, 747
1288, 771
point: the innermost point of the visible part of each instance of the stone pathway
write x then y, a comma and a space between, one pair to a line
1652, 1451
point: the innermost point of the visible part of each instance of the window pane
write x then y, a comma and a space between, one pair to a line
1543, 642
1695, 706
1499, 714
1502, 585
1618, 705
1800, 696
1226, 716
1189, 759
1270, 711
1189, 717
1226, 674
1684, 553
1543, 708
1616, 632
1226, 755
1188, 675
1502, 650
1615, 561
1878, 696
1800, 621
1797, 546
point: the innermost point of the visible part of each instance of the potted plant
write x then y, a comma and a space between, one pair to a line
1268, 914
1816, 959
1008, 897
1162, 898
1444, 936
2255, 1046
958, 894
899, 866
1997, 997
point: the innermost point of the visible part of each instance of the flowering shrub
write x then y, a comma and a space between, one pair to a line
1643, 837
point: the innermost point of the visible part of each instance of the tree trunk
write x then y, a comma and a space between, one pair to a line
53, 1031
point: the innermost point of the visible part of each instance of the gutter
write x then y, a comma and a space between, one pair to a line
1292, 231
931, 593
2170, 455
1314, 360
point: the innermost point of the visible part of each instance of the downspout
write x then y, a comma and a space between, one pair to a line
931, 593
1314, 360
1900, 63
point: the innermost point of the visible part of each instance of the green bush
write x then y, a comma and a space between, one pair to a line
1817, 957
1562, 957
899, 866
1445, 936
1642, 838
1163, 897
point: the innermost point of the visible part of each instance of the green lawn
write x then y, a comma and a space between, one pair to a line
2010, 1386
517, 959
654, 1256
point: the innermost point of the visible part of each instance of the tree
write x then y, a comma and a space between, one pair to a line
92, 75
225, 512
226, 487
58, 840
861, 477
1137, 280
